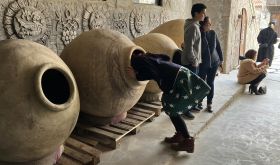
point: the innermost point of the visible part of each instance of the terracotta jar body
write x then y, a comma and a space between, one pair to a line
39, 101
174, 29
159, 44
99, 59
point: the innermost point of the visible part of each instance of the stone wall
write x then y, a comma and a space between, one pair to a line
54, 23
227, 20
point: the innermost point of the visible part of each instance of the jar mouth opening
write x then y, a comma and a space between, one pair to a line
137, 50
55, 87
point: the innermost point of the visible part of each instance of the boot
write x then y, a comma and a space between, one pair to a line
254, 89
262, 90
209, 108
185, 145
199, 106
188, 115
177, 138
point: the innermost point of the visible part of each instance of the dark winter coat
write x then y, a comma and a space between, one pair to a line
211, 52
266, 38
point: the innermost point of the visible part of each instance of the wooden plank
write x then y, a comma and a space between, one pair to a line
113, 129
106, 138
147, 105
139, 109
138, 113
83, 158
73, 143
135, 117
122, 126
88, 141
64, 160
111, 135
101, 138
131, 122
158, 103
98, 131
150, 107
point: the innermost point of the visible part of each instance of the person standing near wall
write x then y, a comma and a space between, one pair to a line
212, 58
191, 57
267, 38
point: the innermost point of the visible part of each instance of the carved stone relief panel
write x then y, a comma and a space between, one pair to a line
119, 21
55, 23
155, 19
67, 25
137, 22
164, 17
95, 16
25, 19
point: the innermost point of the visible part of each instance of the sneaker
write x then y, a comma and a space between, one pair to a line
189, 115
177, 138
185, 145
195, 109
199, 106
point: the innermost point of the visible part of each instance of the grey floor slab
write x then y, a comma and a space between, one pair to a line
147, 148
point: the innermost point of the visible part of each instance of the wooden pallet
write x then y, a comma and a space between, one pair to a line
151, 106
111, 135
79, 153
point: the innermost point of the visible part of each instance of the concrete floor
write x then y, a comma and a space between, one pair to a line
246, 134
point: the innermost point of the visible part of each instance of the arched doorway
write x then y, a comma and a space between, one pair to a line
243, 31
239, 39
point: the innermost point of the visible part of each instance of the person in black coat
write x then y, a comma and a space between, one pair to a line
267, 38
212, 58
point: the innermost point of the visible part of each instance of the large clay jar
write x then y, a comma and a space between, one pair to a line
159, 44
173, 29
39, 101
98, 59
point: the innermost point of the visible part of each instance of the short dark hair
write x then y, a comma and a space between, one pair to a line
197, 8
251, 54
202, 23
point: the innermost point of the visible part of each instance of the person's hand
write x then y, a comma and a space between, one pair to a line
182, 45
265, 61
130, 71
221, 66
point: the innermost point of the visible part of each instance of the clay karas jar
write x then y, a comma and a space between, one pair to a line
99, 59
174, 29
39, 101
159, 44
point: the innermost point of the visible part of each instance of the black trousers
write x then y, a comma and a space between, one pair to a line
208, 74
257, 81
180, 125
